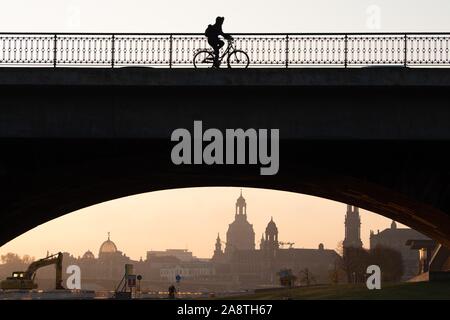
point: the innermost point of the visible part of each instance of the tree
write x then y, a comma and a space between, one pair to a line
390, 262
354, 264
11, 258
14, 259
306, 277
287, 278
337, 273
26, 259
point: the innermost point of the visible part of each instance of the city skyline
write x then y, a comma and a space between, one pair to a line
147, 220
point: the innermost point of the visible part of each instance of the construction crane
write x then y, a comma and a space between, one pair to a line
290, 244
24, 280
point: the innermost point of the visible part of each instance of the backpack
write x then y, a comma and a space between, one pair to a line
209, 32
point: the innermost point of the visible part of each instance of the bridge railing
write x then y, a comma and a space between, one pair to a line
264, 50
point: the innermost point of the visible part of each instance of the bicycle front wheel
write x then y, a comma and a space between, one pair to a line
203, 59
238, 59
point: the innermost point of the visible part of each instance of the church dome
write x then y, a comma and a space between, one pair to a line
271, 227
88, 255
108, 246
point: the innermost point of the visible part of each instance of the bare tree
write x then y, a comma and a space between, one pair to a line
306, 277
27, 259
11, 258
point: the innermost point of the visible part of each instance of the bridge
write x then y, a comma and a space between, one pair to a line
376, 138
288, 50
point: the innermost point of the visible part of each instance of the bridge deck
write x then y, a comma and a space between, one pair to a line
145, 76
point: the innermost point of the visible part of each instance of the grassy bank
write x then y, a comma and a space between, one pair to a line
418, 290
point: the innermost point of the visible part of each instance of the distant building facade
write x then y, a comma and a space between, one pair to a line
181, 254
396, 238
188, 271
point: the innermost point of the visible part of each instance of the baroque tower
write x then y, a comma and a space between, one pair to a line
352, 228
270, 243
240, 234
218, 253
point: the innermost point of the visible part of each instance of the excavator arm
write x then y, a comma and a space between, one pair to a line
55, 259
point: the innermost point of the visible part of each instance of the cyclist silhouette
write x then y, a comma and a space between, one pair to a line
212, 32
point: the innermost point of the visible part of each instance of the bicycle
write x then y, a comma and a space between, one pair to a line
235, 58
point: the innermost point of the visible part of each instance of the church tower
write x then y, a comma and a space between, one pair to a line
393, 225
218, 245
218, 253
240, 234
352, 228
271, 244
262, 242
241, 208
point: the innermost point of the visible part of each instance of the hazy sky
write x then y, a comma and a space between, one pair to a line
191, 218
241, 16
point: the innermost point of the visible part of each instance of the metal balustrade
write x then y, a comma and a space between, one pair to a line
264, 50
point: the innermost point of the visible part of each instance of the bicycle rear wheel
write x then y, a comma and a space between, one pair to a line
204, 59
238, 59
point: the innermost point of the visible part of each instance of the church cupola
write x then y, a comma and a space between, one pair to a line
241, 206
272, 231
271, 243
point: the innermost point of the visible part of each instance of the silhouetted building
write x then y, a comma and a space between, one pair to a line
102, 273
240, 234
247, 266
396, 238
426, 249
252, 267
218, 255
352, 228
88, 255
110, 261
182, 254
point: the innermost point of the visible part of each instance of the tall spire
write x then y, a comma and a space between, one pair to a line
393, 225
261, 242
108, 235
218, 248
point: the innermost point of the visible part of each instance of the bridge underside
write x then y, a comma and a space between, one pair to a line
382, 148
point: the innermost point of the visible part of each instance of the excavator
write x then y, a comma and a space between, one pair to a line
24, 280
